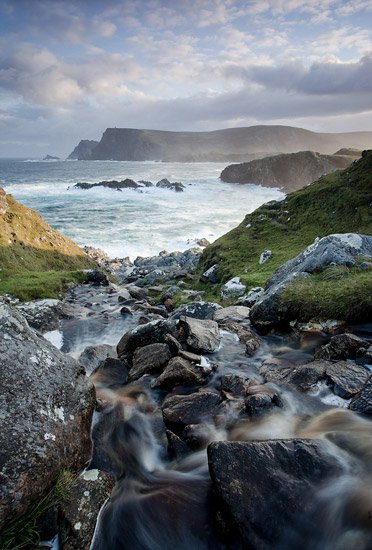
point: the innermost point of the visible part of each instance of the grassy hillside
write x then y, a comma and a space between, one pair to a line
340, 202
35, 260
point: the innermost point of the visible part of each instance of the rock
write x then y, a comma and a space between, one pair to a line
149, 359
173, 343
197, 310
210, 276
258, 404
175, 186
44, 315
252, 343
363, 401
118, 185
201, 335
248, 300
92, 356
151, 278
303, 376
264, 487
337, 249
231, 313
154, 310
236, 384
125, 310
193, 357
180, 372
181, 410
51, 157
232, 289
143, 335
138, 293
202, 242
3, 202
79, 513
46, 405
168, 304
177, 448
96, 276
190, 257
348, 378
342, 346
111, 373
266, 255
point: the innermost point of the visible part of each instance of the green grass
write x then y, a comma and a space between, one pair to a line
340, 202
335, 293
23, 533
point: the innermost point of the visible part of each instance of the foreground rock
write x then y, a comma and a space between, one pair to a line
265, 487
46, 404
201, 335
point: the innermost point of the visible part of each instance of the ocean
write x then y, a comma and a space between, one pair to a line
131, 222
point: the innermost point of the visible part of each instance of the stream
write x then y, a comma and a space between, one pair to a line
165, 501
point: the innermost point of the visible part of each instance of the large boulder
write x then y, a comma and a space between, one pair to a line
46, 405
197, 310
342, 346
181, 410
149, 359
201, 335
337, 249
143, 335
264, 487
92, 356
46, 314
347, 377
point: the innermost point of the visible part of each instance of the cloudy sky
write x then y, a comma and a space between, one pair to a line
70, 69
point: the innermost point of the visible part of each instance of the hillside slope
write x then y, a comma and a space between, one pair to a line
220, 145
34, 258
340, 202
290, 171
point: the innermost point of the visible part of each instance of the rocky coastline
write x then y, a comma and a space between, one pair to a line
128, 183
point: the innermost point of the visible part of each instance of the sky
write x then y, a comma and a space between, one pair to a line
70, 69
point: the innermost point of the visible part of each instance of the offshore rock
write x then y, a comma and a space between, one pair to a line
201, 335
166, 184
46, 405
264, 487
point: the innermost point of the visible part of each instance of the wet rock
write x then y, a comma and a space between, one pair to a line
258, 404
197, 436
197, 310
232, 289
235, 314
266, 255
125, 310
303, 377
46, 405
154, 310
179, 371
143, 335
138, 293
45, 315
342, 346
79, 514
348, 378
181, 410
166, 184
177, 448
236, 384
111, 372
201, 335
92, 356
193, 357
363, 401
264, 487
173, 343
210, 276
96, 277
252, 343
149, 359
336, 249
248, 300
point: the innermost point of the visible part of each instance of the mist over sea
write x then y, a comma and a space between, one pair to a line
132, 223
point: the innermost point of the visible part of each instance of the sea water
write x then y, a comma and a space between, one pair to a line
132, 222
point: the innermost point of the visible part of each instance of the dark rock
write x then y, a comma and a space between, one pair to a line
363, 401
201, 335
177, 448
197, 436
138, 293
111, 372
125, 310
149, 359
146, 183
169, 306
96, 276
347, 377
236, 314
143, 335
303, 377
252, 344
46, 405
173, 343
258, 404
154, 310
264, 487
79, 514
236, 384
181, 372
193, 357
175, 186
151, 278
181, 410
118, 185
342, 346
47, 524
45, 315
211, 276
51, 157
92, 356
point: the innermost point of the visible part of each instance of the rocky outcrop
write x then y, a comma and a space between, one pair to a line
46, 404
289, 172
51, 157
220, 145
3, 202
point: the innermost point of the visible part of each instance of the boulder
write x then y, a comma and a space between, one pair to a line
181, 410
232, 313
201, 335
210, 276
303, 377
232, 289
166, 184
179, 371
149, 359
336, 249
363, 401
266, 255
264, 487
143, 335
197, 310
252, 343
92, 356
79, 513
46, 405
258, 404
342, 346
111, 373
44, 315
348, 378
248, 300
177, 448
236, 384
96, 276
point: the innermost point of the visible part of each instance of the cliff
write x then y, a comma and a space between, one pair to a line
287, 171
220, 145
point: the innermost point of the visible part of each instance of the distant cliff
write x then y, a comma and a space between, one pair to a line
230, 145
287, 171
